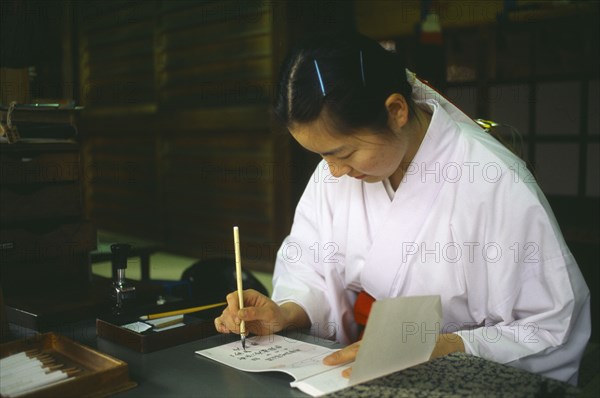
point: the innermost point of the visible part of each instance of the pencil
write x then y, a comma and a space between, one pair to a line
238, 274
169, 323
181, 312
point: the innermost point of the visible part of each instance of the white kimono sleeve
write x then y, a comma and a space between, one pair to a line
549, 343
532, 301
301, 276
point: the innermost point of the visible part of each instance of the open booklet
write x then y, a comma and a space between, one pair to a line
299, 359
401, 332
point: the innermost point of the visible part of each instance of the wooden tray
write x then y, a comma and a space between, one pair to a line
193, 329
100, 376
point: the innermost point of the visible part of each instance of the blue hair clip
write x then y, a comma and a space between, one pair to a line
362, 69
319, 76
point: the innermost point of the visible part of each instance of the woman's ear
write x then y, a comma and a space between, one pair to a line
398, 110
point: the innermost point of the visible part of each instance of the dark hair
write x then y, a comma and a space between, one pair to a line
348, 77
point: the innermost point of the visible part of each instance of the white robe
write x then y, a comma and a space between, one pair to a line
468, 222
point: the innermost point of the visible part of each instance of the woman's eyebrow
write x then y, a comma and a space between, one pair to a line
334, 151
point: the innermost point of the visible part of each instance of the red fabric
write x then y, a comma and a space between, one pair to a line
362, 308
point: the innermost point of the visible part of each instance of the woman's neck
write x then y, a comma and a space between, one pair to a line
416, 130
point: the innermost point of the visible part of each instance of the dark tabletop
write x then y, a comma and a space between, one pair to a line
179, 372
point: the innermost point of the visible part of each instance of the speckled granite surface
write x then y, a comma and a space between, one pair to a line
460, 375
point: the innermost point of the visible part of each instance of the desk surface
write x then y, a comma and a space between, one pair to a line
179, 372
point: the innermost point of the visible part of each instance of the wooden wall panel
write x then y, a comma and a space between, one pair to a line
213, 181
214, 54
120, 172
117, 53
179, 91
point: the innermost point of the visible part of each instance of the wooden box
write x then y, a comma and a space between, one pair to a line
100, 375
192, 329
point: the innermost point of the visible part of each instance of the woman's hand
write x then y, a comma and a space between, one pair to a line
345, 355
445, 344
261, 314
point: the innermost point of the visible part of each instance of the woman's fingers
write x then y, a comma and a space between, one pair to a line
233, 303
347, 372
346, 354
225, 323
220, 326
257, 306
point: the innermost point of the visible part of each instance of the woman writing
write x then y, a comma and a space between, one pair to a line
412, 198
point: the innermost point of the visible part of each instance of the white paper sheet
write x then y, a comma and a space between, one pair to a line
137, 326
272, 353
401, 332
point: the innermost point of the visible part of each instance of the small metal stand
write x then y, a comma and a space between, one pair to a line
121, 290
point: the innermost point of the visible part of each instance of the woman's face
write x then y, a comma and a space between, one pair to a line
366, 155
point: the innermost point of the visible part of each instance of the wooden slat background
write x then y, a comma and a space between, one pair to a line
213, 54
117, 53
179, 145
